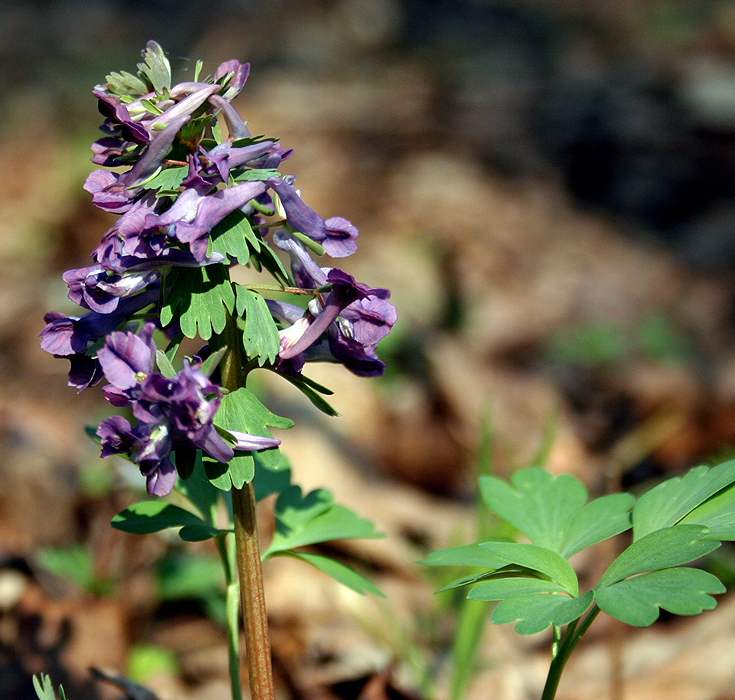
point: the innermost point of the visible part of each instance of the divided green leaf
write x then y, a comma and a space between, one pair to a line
552, 513
260, 334
313, 392
200, 297
169, 179
232, 235
125, 84
153, 516
156, 67
45, 689
681, 591
242, 411
313, 518
669, 502
534, 612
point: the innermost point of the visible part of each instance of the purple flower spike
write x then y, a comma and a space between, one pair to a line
336, 235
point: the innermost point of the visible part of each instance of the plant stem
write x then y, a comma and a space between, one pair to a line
571, 637
253, 599
247, 545
226, 548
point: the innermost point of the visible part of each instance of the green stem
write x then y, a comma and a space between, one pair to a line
226, 548
571, 637
247, 545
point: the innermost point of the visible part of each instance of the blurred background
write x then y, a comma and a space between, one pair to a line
547, 187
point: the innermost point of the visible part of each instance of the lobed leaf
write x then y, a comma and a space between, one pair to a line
200, 297
305, 520
669, 502
717, 514
241, 411
169, 179
660, 549
538, 505
45, 689
600, 519
232, 235
146, 517
260, 335
681, 591
539, 559
534, 612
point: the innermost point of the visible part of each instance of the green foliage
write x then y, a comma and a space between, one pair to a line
45, 689
260, 334
155, 67
147, 660
200, 298
146, 517
242, 411
674, 524
74, 563
312, 390
232, 235
677, 498
168, 180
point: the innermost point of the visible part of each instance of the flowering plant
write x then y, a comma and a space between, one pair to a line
192, 203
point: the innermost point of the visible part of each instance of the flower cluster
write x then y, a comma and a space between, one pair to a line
194, 201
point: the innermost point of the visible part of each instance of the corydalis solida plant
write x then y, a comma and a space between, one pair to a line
192, 203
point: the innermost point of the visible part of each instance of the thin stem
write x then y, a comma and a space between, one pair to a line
247, 545
226, 548
570, 639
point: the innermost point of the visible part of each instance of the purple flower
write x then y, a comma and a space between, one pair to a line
100, 290
239, 72
172, 412
210, 210
115, 192
336, 235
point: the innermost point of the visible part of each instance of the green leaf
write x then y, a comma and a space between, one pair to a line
232, 235
198, 532
169, 179
200, 296
164, 365
45, 689
681, 591
267, 258
660, 549
212, 362
338, 571
125, 84
534, 612
305, 386
269, 480
463, 555
537, 558
508, 586
717, 514
669, 502
260, 335
304, 520
156, 67
153, 516
241, 411
256, 174
600, 519
538, 505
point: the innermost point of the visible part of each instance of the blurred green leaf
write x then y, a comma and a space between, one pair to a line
146, 517
45, 689
339, 572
